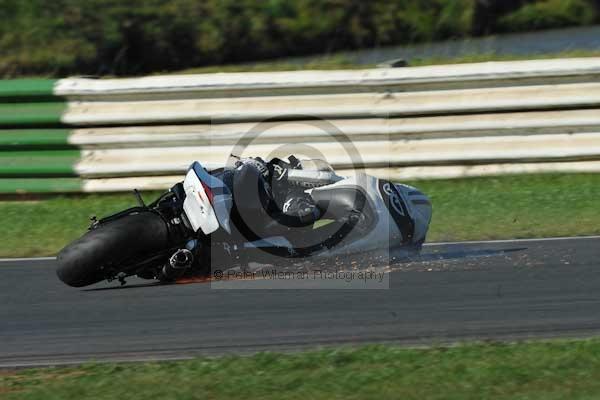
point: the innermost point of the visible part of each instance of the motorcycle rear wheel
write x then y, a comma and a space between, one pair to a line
84, 261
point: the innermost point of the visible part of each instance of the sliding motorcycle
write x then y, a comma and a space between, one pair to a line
209, 221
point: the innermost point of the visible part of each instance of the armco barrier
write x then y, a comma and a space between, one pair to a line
361, 105
453, 121
35, 155
439, 77
27, 90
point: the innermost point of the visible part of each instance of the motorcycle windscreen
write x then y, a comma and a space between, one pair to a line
197, 205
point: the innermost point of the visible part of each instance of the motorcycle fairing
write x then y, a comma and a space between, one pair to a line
208, 201
399, 211
376, 231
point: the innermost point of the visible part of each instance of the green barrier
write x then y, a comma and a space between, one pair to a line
27, 90
24, 139
39, 185
31, 114
58, 163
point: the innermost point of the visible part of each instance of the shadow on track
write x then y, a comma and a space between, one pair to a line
458, 254
134, 286
393, 258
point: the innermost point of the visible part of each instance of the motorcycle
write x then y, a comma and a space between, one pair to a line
206, 222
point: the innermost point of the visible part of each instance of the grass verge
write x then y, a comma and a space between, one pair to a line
529, 370
464, 209
340, 61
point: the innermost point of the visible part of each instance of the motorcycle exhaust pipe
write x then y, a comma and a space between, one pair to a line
182, 259
179, 262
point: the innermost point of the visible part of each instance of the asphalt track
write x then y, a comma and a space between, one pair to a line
454, 292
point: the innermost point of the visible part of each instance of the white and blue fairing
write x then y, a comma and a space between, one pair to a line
204, 213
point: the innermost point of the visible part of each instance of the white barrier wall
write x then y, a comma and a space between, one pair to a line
455, 76
408, 123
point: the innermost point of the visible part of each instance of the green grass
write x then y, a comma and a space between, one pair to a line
339, 61
335, 61
514, 207
38, 227
467, 209
535, 370
485, 57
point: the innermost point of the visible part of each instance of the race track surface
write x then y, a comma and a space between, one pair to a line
495, 290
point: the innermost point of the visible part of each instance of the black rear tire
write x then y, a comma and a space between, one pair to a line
81, 262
